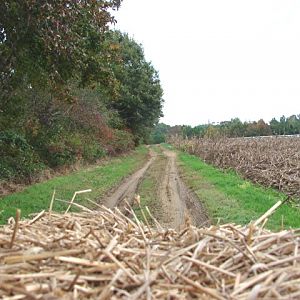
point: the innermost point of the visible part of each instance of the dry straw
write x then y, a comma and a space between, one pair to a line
104, 254
270, 161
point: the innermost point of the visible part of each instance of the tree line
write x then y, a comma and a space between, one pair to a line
233, 128
71, 88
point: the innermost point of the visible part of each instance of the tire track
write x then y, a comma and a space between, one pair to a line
173, 202
180, 204
127, 189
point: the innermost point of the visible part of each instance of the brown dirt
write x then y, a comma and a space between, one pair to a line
127, 189
180, 205
176, 204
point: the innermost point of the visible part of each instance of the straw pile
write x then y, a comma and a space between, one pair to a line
106, 255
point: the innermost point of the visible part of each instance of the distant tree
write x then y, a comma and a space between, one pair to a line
212, 132
236, 128
176, 130
263, 128
160, 133
283, 125
293, 125
275, 127
187, 131
199, 130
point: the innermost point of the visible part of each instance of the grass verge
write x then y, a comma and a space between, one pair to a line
229, 198
99, 178
149, 187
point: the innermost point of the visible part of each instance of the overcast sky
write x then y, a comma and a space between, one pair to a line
220, 59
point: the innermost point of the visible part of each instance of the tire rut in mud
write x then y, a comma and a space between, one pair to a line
171, 202
181, 204
127, 189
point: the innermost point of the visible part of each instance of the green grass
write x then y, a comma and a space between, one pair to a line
229, 198
157, 149
145, 191
148, 189
99, 178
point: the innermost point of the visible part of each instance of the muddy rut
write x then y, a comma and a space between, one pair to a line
128, 188
175, 204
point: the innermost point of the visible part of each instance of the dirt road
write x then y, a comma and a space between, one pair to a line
128, 188
173, 203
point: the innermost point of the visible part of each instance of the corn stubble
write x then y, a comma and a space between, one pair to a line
270, 161
106, 254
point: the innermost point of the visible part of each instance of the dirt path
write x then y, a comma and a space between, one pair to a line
128, 187
170, 195
174, 203
179, 204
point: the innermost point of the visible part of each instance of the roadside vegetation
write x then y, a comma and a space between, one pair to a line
231, 199
100, 179
71, 89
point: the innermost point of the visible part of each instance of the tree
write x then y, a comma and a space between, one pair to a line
283, 125
139, 102
212, 132
160, 133
275, 126
48, 42
236, 128
293, 124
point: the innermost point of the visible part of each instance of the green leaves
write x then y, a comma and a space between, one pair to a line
140, 95
71, 87
54, 36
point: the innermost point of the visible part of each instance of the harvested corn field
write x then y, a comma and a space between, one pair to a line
107, 255
270, 161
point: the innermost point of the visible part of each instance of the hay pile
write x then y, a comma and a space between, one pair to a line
106, 255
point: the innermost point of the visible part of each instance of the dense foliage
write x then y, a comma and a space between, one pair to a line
139, 102
70, 88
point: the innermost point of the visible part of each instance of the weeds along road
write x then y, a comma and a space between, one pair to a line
162, 190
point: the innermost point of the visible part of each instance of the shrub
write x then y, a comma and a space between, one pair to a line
17, 158
93, 151
62, 152
122, 141
73, 148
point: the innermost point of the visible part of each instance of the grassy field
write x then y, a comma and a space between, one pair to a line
100, 179
228, 198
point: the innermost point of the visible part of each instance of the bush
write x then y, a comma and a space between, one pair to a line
93, 151
122, 141
62, 152
71, 149
17, 158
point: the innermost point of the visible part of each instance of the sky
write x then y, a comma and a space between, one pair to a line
220, 59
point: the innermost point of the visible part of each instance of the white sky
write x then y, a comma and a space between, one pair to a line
220, 59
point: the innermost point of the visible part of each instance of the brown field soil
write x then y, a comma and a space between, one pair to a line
172, 203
